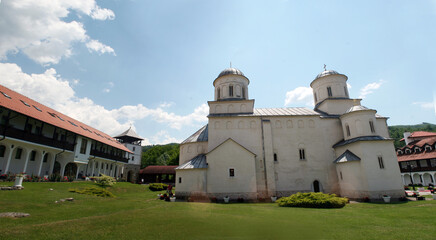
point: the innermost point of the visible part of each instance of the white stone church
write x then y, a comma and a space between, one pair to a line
338, 147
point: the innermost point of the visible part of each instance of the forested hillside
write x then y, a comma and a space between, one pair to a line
160, 155
396, 132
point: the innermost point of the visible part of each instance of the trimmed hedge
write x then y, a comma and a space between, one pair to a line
157, 186
312, 200
94, 191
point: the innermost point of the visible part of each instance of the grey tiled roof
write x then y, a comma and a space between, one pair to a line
363, 138
230, 71
198, 162
347, 156
129, 133
357, 108
296, 111
200, 136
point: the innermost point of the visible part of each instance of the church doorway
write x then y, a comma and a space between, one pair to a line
316, 186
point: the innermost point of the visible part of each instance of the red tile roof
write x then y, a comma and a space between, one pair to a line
419, 134
159, 170
417, 156
24, 105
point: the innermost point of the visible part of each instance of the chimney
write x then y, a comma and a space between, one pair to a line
406, 137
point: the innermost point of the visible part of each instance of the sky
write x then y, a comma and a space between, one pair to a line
148, 64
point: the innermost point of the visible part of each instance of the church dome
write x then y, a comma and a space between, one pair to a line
326, 73
358, 108
230, 71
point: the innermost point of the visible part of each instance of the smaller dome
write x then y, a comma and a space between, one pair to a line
358, 108
326, 73
230, 71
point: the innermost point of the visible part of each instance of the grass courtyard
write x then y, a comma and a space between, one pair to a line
137, 214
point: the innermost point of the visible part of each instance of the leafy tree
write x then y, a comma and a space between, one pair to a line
160, 155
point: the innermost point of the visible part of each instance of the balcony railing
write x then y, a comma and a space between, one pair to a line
39, 139
417, 169
108, 156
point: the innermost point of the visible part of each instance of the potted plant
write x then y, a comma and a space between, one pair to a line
273, 198
386, 198
173, 198
19, 179
226, 199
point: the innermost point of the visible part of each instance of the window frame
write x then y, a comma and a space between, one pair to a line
381, 162
302, 153
232, 172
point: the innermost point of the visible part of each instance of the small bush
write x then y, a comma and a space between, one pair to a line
94, 191
105, 181
312, 200
157, 186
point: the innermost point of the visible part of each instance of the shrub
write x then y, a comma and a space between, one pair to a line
94, 191
312, 200
105, 181
54, 177
157, 186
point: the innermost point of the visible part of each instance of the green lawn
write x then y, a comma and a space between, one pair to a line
136, 214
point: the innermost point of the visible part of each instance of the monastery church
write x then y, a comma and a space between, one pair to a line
338, 147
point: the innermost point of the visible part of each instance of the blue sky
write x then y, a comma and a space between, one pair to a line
151, 64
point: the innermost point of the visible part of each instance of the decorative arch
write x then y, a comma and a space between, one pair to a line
316, 186
70, 170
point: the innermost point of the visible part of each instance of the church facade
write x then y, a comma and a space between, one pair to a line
338, 147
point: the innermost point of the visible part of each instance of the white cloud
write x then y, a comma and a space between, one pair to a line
425, 105
53, 91
38, 28
96, 46
102, 13
300, 95
369, 88
166, 104
109, 87
162, 137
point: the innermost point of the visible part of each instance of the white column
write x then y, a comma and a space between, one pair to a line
40, 164
27, 160
52, 163
63, 168
93, 168
78, 170
8, 161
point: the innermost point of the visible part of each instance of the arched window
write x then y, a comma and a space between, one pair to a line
231, 91
316, 99
316, 187
348, 130
243, 92
218, 97
2, 150
275, 157
329, 91
371, 126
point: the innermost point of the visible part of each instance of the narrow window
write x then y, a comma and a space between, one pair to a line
316, 99
348, 130
380, 162
371, 125
83, 146
180, 180
346, 91
18, 153
133, 158
329, 91
275, 157
45, 158
302, 154
231, 91
231, 172
340, 173
32, 155
218, 97
2, 151
243, 92
133, 148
